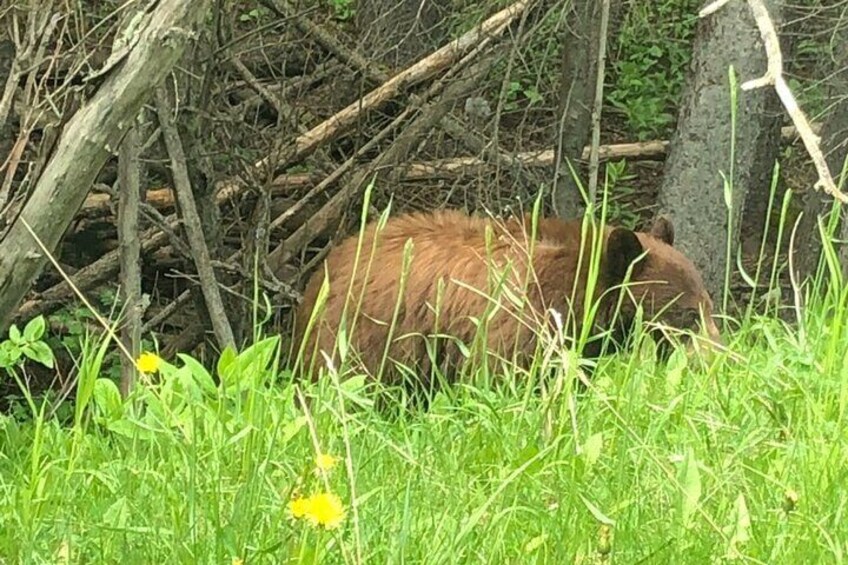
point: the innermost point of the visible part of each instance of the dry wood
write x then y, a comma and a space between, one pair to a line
774, 77
330, 179
309, 229
87, 141
598, 102
372, 72
90, 276
191, 222
389, 159
162, 199
130, 248
419, 72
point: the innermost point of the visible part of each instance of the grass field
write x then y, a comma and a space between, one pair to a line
744, 458
739, 458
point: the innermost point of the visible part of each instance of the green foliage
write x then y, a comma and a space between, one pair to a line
692, 463
28, 344
617, 179
647, 71
521, 89
343, 10
254, 14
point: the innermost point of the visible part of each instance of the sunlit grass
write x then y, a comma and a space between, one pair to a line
682, 462
664, 463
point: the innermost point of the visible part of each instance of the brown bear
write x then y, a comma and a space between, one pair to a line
462, 269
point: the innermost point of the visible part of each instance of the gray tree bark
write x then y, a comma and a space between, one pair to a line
757, 200
579, 65
192, 224
834, 142
88, 139
129, 174
8, 82
692, 192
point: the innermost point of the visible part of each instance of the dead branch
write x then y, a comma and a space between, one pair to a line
392, 156
162, 199
424, 69
7, 51
329, 179
774, 77
598, 102
128, 211
361, 64
191, 222
87, 141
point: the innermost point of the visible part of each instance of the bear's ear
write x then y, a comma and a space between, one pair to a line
663, 230
623, 247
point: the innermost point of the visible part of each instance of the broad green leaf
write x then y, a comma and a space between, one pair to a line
228, 355
535, 543
40, 352
107, 399
675, 367
130, 429
15, 335
690, 482
117, 515
199, 373
34, 329
596, 512
740, 529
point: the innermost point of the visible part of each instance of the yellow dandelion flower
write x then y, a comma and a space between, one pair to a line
299, 507
148, 362
325, 462
237, 561
326, 510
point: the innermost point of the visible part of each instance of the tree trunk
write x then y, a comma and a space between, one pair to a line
578, 70
88, 139
692, 191
757, 199
834, 141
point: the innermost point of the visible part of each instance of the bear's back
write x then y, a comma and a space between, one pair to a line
447, 246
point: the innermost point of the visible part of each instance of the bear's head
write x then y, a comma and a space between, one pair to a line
663, 280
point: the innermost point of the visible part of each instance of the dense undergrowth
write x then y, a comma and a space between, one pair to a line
679, 462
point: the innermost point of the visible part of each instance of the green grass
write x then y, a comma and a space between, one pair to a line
679, 460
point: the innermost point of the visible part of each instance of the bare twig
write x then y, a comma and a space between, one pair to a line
712, 7
7, 49
194, 230
169, 310
428, 116
774, 77
163, 198
128, 208
598, 103
422, 70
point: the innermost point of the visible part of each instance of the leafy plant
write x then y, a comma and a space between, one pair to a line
254, 14
343, 10
653, 47
26, 345
516, 89
617, 177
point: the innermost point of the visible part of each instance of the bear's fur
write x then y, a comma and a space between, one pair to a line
452, 247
